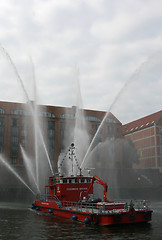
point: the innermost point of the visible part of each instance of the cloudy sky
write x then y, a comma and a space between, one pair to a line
113, 47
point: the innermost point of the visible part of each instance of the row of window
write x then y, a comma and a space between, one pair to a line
92, 118
75, 180
22, 112
89, 118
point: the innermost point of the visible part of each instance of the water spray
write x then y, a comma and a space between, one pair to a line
138, 70
31, 108
29, 167
16, 174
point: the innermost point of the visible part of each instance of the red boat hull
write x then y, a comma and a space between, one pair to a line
102, 219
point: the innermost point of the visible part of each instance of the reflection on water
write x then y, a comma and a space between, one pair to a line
18, 221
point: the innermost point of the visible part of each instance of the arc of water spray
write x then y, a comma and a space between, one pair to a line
16, 174
35, 121
29, 167
115, 100
15, 70
27, 97
39, 130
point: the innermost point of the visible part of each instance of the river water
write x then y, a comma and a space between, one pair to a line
18, 221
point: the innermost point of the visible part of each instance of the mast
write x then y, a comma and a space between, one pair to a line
73, 158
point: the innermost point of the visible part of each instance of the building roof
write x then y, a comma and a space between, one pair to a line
66, 112
142, 123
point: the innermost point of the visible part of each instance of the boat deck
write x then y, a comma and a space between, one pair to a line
91, 208
120, 206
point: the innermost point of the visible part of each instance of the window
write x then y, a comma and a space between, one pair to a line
14, 131
1, 144
92, 118
1, 122
62, 136
67, 116
23, 143
160, 150
110, 131
13, 161
23, 133
15, 122
1, 133
21, 161
14, 140
81, 180
88, 180
18, 112
2, 111
51, 128
50, 132
111, 120
14, 151
48, 114
51, 138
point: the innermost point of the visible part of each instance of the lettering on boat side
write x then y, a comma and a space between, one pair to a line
72, 189
69, 189
44, 203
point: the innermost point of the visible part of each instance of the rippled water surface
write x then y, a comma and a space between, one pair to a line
18, 221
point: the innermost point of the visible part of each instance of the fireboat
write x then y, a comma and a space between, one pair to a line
71, 197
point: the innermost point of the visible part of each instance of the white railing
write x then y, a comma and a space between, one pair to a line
107, 207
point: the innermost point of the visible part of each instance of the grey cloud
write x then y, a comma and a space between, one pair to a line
108, 39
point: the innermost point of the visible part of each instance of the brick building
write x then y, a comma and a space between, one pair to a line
56, 123
16, 128
146, 134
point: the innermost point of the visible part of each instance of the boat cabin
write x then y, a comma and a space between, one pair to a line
73, 189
